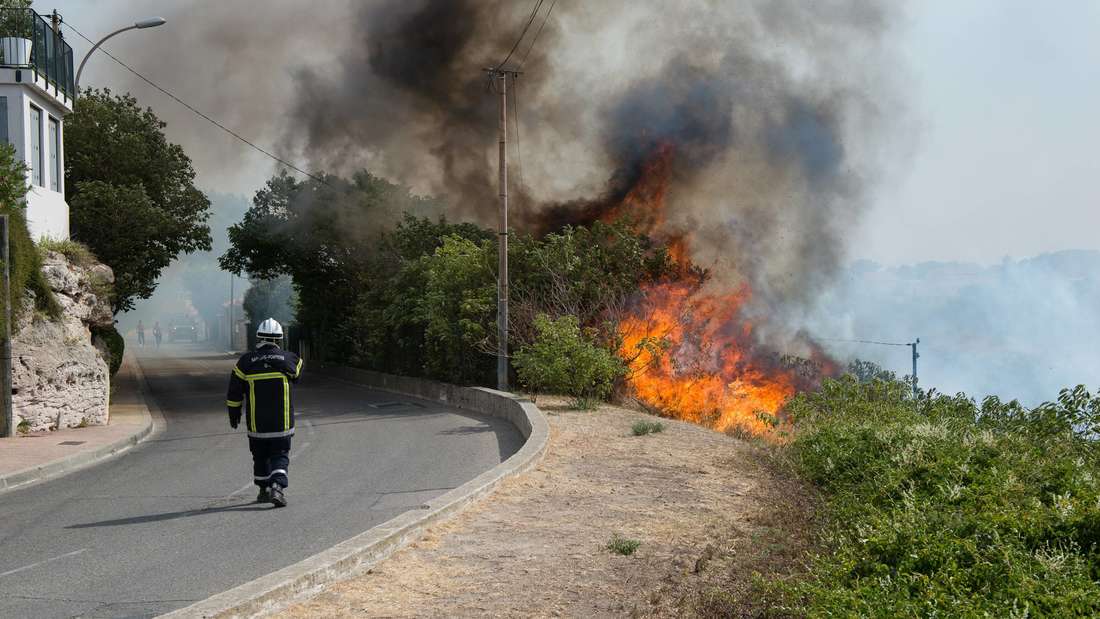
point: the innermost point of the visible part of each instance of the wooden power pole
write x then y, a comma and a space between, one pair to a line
916, 356
499, 78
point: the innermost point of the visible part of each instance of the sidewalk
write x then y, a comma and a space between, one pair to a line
37, 457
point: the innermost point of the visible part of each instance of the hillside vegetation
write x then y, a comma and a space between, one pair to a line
940, 506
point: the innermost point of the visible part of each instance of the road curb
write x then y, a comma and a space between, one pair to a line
84, 459
269, 593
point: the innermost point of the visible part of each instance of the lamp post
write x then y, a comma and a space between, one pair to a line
151, 22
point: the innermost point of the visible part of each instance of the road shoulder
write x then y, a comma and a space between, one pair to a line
705, 508
27, 460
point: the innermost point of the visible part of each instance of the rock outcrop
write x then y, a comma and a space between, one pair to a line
60, 378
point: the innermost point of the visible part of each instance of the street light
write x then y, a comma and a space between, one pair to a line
151, 22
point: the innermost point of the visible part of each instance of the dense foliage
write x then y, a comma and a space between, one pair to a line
939, 506
564, 359
25, 270
270, 298
385, 282
112, 343
131, 192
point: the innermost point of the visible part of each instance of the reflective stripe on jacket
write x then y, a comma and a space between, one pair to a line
263, 377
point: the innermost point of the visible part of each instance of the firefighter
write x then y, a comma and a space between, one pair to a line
263, 377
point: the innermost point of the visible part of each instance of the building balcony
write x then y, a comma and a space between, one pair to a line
29, 42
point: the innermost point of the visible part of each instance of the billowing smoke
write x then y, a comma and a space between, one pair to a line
761, 107
767, 113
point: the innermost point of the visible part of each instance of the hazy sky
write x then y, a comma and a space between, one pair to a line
1001, 148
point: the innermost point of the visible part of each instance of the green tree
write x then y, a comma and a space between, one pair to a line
563, 359
132, 193
386, 331
457, 308
327, 235
270, 298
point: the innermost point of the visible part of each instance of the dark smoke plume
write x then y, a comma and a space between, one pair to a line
770, 111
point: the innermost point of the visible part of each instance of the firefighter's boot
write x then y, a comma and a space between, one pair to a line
278, 499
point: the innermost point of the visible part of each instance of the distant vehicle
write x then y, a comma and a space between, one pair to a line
183, 332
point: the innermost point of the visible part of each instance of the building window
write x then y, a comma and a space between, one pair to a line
4, 120
55, 155
36, 146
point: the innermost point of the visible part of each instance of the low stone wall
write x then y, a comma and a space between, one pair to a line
477, 399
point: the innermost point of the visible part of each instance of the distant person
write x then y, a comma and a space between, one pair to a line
156, 333
265, 375
141, 334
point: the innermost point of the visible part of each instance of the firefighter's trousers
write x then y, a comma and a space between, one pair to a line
270, 460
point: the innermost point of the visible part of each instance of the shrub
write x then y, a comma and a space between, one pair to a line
938, 506
112, 343
622, 545
641, 428
77, 253
563, 359
26, 264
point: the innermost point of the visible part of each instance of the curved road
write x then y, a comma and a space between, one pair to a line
173, 521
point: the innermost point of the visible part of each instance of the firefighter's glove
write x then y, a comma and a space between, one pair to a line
234, 418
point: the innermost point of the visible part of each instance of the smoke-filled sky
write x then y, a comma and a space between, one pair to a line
983, 111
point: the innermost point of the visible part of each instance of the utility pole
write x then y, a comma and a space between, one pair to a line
231, 282
916, 356
7, 416
495, 74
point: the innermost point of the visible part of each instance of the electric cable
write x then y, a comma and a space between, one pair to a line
829, 339
534, 12
197, 112
537, 33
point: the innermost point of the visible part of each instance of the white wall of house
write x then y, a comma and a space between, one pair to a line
30, 118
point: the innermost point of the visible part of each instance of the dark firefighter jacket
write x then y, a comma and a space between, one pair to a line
263, 377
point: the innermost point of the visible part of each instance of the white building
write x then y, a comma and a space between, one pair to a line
36, 92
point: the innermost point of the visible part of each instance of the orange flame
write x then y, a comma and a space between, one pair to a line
691, 354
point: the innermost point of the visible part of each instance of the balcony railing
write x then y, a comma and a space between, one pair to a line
50, 56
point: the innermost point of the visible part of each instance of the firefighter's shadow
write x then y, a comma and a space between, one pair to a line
251, 506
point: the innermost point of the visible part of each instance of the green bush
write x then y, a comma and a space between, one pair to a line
77, 253
562, 359
641, 428
622, 545
938, 506
114, 343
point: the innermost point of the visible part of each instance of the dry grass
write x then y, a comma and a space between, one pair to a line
707, 509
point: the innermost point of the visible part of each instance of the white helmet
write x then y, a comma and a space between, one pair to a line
270, 331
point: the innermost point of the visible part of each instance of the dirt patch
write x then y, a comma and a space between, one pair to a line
708, 509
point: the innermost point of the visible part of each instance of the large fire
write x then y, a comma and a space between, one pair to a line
691, 353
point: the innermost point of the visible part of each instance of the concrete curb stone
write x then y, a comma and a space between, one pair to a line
84, 459
269, 593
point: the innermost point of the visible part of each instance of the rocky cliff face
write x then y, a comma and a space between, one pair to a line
60, 379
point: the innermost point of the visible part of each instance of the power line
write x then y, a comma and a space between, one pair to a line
829, 339
537, 33
531, 20
197, 112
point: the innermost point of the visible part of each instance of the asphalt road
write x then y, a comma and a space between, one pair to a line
173, 521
